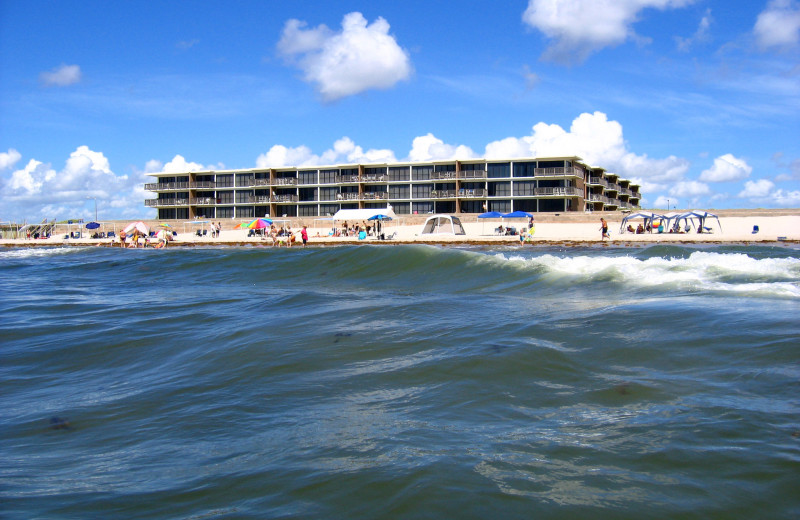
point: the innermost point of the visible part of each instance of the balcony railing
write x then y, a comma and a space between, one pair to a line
347, 196
284, 198
472, 174
258, 199
566, 191
159, 203
204, 185
443, 194
203, 201
374, 195
561, 171
261, 182
469, 194
373, 177
161, 186
443, 175
349, 179
285, 181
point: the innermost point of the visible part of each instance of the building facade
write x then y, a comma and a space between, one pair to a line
554, 184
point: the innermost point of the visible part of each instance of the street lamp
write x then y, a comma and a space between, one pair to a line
667, 204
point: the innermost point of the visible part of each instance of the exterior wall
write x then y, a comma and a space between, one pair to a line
462, 187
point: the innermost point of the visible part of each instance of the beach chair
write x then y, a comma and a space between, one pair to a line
199, 233
205, 232
111, 234
755, 229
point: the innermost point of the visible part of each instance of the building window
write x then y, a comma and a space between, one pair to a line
225, 212
307, 177
309, 210
328, 176
499, 189
499, 170
503, 206
524, 169
422, 207
421, 173
399, 191
225, 197
525, 189
421, 191
399, 173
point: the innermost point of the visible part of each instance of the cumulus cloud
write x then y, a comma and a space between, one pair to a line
37, 190
62, 76
763, 192
598, 141
358, 58
431, 148
343, 151
778, 26
726, 168
578, 28
9, 159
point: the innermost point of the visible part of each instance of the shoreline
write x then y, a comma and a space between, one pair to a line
568, 230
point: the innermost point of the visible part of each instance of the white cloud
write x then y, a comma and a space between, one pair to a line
757, 189
9, 159
178, 164
726, 168
344, 151
778, 25
595, 139
700, 35
359, 58
430, 148
62, 76
763, 192
581, 27
689, 189
38, 191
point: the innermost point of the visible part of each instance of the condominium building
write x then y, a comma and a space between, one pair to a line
553, 184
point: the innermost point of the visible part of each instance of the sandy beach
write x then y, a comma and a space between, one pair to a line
735, 226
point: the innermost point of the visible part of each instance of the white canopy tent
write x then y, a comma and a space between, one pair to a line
648, 217
699, 218
443, 225
364, 214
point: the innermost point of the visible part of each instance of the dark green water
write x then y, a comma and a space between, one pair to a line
400, 382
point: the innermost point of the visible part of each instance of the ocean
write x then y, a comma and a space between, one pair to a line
400, 382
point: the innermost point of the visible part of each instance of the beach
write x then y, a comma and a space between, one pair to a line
733, 226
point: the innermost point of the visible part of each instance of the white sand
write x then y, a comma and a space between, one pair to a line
735, 229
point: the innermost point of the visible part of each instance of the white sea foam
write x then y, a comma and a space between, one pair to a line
701, 271
36, 252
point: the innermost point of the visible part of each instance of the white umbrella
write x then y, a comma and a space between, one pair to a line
141, 226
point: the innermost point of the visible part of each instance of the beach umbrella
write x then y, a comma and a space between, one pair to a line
380, 217
92, 225
139, 225
517, 214
259, 223
491, 214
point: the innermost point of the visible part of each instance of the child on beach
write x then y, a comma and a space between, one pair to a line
604, 229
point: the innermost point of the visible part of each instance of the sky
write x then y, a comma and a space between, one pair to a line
698, 101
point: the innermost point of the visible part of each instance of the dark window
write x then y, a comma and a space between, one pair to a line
524, 169
421, 191
499, 170
307, 177
399, 173
524, 189
499, 189
328, 176
422, 207
399, 191
421, 173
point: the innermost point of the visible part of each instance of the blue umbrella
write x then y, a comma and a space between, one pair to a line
380, 217
517, 214
92, 225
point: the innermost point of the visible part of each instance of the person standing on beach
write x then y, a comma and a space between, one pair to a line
304, 235
604, 229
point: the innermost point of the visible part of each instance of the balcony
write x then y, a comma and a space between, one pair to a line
244, 182
347, 196
163, 186
258, 199
203, 201
203, 185
443, 194
566, 191
261, 182
472, 194
349, 179
374, 178
472, 174
286, 181
284, 198
561, 171
161, 203
375, 195
443, 175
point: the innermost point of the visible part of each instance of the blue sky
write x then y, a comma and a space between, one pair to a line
697, 100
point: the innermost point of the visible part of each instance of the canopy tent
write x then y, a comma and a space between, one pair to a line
517, 214
364, 214
443, 225
700, 219
491, 214
648, 218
